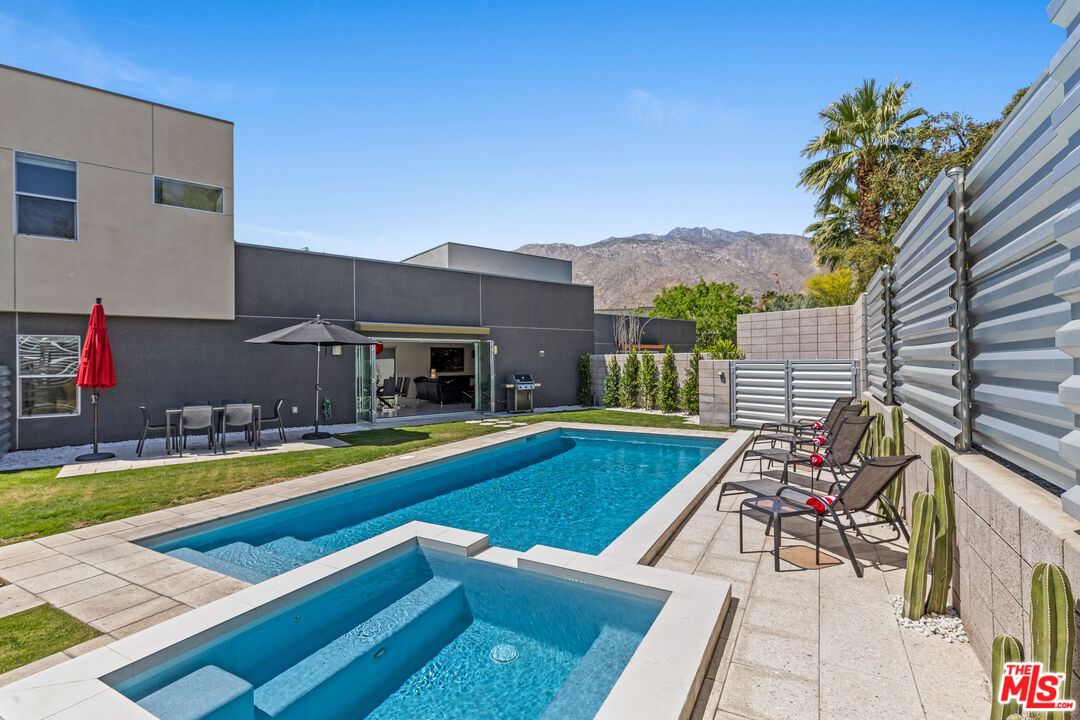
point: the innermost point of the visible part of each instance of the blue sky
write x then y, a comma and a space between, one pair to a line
381, 129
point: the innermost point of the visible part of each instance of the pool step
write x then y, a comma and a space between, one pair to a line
209, 693
370, 661
294, 548
584, 690
218, 565
257, 558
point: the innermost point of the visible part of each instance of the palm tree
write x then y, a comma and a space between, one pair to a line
862, 129
834, 231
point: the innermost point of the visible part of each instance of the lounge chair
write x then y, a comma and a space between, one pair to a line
806, 433
836, 457
864, 492
805, 424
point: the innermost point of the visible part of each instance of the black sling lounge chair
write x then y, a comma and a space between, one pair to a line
809, 425
864, 492
836, 457
806, 433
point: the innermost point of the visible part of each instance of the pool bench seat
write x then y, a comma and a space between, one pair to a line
377, 655
209, 693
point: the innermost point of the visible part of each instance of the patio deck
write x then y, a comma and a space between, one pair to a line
808, 644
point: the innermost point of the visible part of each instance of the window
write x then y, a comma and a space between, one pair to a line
193, 196
48, 365
45, 197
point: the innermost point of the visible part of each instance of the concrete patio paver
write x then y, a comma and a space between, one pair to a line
816, 643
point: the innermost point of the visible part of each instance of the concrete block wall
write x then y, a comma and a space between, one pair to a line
714, 392
1005, 524
812, 334
599, 369
7, 395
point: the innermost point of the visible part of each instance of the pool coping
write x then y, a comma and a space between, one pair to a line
661, 680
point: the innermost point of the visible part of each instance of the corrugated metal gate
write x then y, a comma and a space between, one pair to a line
783, 390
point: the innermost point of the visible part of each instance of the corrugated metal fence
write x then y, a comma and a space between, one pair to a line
784, 390
1022, 200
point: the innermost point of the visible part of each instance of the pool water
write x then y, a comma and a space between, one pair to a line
413, 637
575, 490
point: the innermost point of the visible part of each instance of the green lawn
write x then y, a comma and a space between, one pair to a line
34, 503
37, 633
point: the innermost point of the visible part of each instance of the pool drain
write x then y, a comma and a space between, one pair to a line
504, 653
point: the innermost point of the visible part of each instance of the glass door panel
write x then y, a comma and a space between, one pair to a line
485, 376
365, 383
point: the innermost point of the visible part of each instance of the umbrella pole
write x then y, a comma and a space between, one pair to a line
317, 435
95, 456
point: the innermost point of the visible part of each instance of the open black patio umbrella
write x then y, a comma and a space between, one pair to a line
320, 333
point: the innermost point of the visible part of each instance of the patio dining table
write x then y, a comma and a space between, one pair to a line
172, 417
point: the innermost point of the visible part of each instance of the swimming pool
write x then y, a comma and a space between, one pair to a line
423, 634
573, 489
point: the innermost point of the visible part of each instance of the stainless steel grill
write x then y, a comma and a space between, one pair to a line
519, 392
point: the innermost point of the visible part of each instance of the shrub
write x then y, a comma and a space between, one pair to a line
612, 384
584, 390
631, 379
724, 350
690, 387
669, 383
649, 386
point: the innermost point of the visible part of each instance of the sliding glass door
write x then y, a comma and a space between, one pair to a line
365, 383
484, 373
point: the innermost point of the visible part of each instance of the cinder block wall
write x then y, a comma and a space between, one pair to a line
714, 392
813, 334
1005, 524
5, 409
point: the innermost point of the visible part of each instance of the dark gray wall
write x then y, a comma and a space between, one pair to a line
163, 362
681, 335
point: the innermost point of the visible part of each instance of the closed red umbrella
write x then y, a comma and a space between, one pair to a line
96, 370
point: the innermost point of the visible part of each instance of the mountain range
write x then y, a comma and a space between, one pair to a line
630, 271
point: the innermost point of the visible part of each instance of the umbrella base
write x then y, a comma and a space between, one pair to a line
315, 435
94, 457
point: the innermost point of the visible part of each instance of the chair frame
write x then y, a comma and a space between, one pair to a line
209, 427
251, 432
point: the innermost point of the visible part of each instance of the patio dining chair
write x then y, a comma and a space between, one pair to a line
237, 401
182, 435
276, 419
196, 419
863, 493
148, 428
240, 415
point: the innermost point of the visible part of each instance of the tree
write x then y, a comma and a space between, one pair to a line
612, 389
940, 141
780, 299
713, 305
669, 383
864, 129
835, 288
690, 388
631, 379
584, 391
648, 381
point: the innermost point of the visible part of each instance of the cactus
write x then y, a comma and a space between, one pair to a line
895, 491
1006, 649
922, 530
871, 442
888, 449
944, 530
1053, 633
898, 429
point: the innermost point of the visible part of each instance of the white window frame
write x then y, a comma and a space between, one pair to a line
19, 378
153, 194
16, 193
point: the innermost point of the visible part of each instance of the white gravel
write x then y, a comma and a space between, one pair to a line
949, 627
